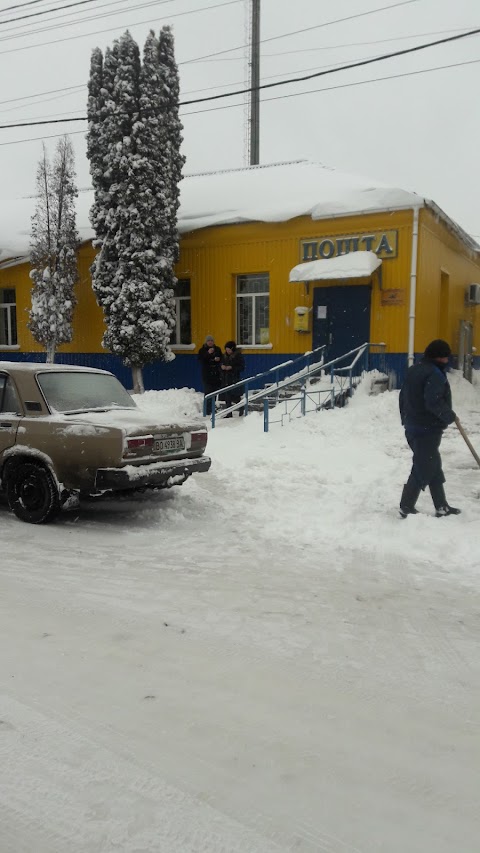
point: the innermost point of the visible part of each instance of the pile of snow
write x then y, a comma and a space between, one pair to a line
331, 482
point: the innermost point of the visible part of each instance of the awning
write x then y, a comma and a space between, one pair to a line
351, 265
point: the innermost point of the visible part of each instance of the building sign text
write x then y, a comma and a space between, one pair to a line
383, 243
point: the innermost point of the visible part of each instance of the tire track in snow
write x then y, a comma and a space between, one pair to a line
85, 783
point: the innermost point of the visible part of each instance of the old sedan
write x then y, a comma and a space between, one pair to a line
72, 431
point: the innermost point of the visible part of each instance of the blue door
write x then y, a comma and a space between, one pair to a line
341, 318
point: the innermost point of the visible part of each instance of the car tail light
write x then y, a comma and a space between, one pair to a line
199, 440
140, 442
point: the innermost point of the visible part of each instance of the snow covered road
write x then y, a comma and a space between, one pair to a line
266, 659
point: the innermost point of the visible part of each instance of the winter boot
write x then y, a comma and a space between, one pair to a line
409, 498
442, 508
441, 511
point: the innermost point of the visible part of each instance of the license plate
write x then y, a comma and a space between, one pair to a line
169, 445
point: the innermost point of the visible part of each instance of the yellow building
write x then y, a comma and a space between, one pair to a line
282, 259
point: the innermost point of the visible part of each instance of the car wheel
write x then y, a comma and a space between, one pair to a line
32, 493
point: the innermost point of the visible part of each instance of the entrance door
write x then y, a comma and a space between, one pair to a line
341, 318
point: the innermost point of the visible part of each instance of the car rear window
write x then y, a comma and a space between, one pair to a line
9, 401
71, 392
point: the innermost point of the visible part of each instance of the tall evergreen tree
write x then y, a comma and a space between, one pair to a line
135, 164
54, 243
172, 131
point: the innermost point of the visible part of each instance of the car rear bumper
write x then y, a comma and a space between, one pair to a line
157, 474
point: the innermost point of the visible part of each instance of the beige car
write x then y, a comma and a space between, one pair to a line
73, 431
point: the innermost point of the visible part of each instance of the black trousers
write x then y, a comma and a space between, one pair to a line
427, 462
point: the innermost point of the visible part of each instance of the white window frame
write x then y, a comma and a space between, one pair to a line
179, 344
252, 297
7, 307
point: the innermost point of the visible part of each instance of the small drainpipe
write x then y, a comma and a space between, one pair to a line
413, 288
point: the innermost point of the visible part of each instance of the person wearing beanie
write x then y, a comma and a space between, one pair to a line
210, 356
425, 411
232, 366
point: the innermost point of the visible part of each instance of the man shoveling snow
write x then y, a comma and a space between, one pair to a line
426, 410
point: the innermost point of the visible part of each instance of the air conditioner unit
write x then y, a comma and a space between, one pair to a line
473, 294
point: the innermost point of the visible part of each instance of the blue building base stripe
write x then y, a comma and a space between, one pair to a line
184, 372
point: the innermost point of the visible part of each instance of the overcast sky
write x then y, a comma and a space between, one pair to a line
418, 132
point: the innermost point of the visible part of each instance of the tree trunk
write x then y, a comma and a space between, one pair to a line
137, 377
50, 352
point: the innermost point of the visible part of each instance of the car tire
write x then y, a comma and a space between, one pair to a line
32, 493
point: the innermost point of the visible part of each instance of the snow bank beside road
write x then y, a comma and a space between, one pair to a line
332, 481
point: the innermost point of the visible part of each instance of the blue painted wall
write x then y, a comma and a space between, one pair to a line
184, 371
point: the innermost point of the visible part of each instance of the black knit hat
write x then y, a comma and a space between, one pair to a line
231, 345
438, 349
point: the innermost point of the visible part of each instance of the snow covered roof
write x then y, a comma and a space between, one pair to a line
352, 265
271, 193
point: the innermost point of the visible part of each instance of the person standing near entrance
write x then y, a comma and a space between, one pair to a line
425, 411
232, 366
210, 357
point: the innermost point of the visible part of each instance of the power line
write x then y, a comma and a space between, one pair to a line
278, 98
73, 90
263, 86
47, 11
333, 88
304, 30
38, 94
367, 43
340, 86
23, 5
223, 86
40, 138
351, 65
131, 24
12, 34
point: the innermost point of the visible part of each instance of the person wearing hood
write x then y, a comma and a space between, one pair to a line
210, 357
232, 366
425, 411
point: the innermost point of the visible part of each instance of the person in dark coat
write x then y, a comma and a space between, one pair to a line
210, 357
426, 410
232, 366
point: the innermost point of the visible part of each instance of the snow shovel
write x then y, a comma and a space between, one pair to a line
468, 442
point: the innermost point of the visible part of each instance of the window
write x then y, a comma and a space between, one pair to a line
9, 402
8, 317
182, 333
74, 391
253, 303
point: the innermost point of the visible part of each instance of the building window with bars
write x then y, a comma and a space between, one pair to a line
253, 306
182, 333
8, 317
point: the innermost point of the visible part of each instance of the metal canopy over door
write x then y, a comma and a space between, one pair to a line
341, 318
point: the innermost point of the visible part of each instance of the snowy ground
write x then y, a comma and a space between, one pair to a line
266, 659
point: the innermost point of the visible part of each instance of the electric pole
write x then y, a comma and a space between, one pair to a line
254, 84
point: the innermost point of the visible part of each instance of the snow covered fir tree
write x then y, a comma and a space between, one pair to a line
134, 138
54, 241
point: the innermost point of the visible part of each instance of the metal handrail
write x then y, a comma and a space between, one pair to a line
360, 351
246, 383
331, 395
301, 376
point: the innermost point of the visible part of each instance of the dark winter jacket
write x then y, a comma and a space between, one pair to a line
210, 368
426, 398
237, 362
